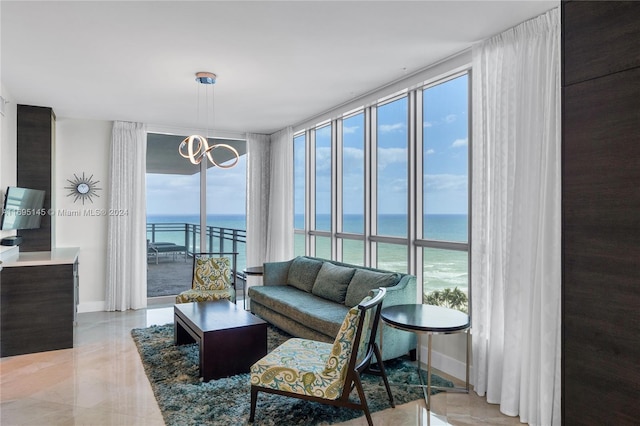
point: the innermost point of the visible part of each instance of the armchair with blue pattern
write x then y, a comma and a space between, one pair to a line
324, 372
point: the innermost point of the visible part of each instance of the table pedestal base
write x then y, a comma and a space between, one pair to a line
425, 384
430, 320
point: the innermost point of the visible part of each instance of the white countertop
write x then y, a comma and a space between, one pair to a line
57, 256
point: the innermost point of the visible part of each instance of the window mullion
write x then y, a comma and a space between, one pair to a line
311, 191
412, 218
419, 190
370, 179
336, 187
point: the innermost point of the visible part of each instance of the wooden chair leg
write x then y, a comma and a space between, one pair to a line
383, 373
254, 400
363, 399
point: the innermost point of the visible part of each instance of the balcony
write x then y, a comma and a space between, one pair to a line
169, 272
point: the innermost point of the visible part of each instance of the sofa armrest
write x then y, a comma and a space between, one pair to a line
276, 273
402, 293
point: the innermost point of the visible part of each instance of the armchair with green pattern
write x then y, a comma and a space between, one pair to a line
324, 372
213, 278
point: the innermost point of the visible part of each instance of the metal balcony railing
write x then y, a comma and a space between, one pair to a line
219, 239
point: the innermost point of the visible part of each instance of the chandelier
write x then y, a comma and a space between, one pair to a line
196, 147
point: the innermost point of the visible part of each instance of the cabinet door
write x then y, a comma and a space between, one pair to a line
35, 137
37, 306
600, 205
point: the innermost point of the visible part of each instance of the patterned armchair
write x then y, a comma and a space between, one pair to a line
325, 372
214, 278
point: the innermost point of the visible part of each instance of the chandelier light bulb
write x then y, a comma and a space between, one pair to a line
195, 147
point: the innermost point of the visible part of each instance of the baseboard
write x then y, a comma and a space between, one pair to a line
161, 300
447, 365
91, 306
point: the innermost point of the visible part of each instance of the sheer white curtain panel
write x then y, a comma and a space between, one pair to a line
516, 209
258, 170
280, 225
126, 286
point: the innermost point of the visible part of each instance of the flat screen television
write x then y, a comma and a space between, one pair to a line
23, 208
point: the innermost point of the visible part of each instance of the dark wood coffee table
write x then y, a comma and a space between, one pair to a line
231, 339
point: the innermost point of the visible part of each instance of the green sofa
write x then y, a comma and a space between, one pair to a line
309, 298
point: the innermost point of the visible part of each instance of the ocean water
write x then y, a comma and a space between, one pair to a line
441, 268
177, 236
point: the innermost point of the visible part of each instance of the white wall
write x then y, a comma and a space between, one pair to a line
83, 146
80, 146
8, 150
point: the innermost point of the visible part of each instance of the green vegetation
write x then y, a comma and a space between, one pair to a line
454, 299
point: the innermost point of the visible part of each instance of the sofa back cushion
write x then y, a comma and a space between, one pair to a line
303, 272
364, 281
332, 281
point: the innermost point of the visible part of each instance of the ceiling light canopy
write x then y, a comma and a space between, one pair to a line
206, 77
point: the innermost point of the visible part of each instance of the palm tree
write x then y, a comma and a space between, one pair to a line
454, 299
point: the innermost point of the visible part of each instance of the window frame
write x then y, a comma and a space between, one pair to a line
415, 242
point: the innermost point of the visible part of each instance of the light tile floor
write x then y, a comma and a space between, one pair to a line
101, 381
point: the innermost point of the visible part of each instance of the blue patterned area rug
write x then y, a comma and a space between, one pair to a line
185, 400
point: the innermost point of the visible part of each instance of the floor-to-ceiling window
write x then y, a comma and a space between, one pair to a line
388, 186
445, 192
351, 227
322, 219
226, 208
173, 194
299, 193
391, 154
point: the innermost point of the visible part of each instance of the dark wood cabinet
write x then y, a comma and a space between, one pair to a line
601, 213
35, 140
38, 303
599, 39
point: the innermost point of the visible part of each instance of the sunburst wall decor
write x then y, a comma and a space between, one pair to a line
83, 188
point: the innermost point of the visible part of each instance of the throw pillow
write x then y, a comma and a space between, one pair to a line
364, 281
303, 272
211, 273
332, 281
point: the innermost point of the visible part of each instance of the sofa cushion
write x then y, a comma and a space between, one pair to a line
303, 272
332, 282
314, 312
364, 281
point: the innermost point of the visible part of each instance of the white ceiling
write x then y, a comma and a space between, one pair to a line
278, 63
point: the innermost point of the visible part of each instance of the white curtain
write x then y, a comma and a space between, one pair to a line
516, 270
126, 239
280, 224
269, 197
258, 164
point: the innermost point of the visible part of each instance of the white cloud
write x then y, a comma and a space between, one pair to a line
430, 152
399, 185
450, 118
323, 159
460, 143
393, 186
445, 182
427, 124
353, 154
386, 128
389, 156
347, 130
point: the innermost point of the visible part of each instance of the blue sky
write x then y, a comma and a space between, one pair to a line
445, 128
180, 194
